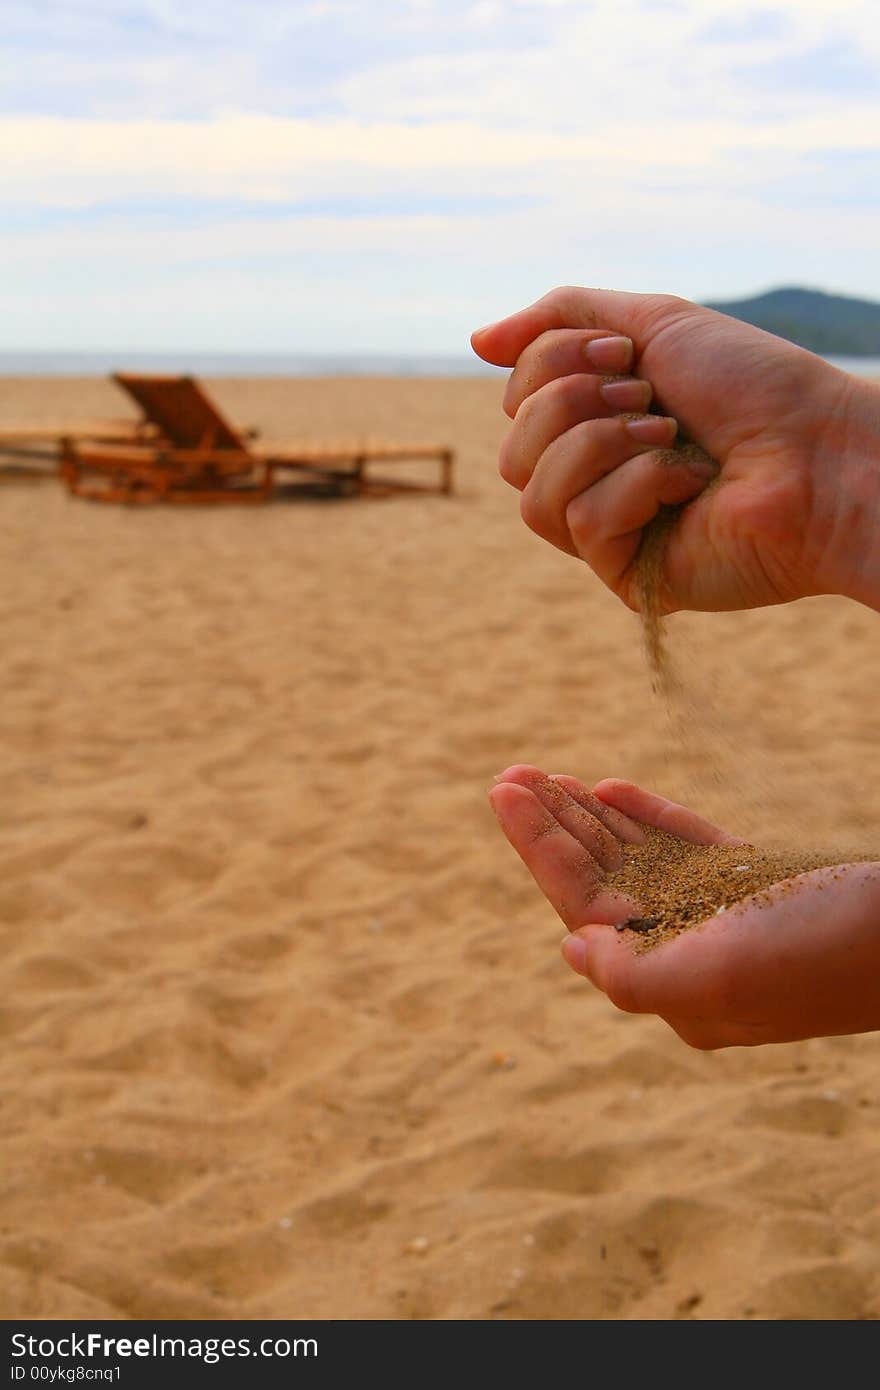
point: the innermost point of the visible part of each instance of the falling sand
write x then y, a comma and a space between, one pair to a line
679, 884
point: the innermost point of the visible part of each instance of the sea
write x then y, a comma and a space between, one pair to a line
219, 365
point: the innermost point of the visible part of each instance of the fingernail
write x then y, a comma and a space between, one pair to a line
574, 951
484, 329
653, 429
628, 394
611, 354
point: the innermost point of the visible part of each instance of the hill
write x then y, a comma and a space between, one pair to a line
829, 324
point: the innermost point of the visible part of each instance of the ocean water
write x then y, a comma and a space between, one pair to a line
218, 364
208, 364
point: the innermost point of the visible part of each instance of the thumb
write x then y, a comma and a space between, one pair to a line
635, 316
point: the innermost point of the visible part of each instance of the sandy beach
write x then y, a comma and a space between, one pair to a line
285, 1028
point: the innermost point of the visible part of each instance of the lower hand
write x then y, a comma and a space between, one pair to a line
797, 964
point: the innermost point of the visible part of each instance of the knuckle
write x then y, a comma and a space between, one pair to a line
510, 399
555, 404
567, 391
526, 409
531, 511
673, 301
561, 292
544, 352
581, 520
508, 460
661, 309
572, 301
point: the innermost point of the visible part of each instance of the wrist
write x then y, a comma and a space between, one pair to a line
847, 472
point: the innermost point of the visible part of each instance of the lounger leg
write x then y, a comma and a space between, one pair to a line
67, 466
446, 465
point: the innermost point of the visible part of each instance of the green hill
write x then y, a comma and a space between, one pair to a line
829, 324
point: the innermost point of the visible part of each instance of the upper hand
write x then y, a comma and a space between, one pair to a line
795, 506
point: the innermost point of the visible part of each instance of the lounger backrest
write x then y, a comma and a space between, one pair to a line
182, 410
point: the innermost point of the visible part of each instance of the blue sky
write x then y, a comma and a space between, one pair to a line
347, 176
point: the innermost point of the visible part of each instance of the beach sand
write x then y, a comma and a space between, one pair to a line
286, 1032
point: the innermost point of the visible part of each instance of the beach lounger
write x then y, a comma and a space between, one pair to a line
35, 444
198, 456
31, 442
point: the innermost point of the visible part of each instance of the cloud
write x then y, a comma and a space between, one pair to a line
747, 27
439, 154
522, 59
836, 68
170, 60
625, 66
56, 163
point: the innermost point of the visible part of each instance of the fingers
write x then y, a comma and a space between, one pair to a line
650, 809
629, 831
573, 463
568, 837
560, 405
566, 352
571, 813
604, 522
565, 871
636, 316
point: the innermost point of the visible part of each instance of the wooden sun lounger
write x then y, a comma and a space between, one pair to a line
350, 462
29, 441
157, 473
198, 456
42, 441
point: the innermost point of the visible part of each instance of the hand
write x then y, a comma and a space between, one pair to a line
798, 964
795, 509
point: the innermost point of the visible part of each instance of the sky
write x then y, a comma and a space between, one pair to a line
356, 176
